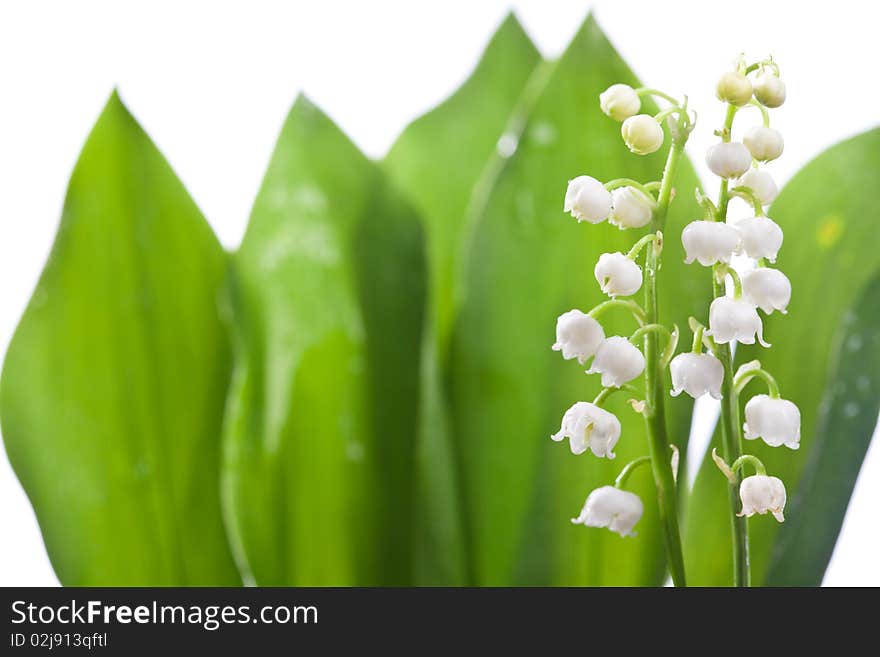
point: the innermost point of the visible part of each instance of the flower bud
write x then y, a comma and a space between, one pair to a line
587, 200
761, 183
630, 208
696, 374
764, 144
769, 90
578, 336
618, 360
760, 237
769, 289
618, 276
642, 134
734, 88
760, 494
776, 421
709, 242
734, 320
618, 510
588, 426
728, 159
620, 101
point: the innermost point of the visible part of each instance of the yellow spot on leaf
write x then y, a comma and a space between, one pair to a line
829, 231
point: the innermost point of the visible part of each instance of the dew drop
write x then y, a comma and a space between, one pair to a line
854, 343
354, 452
543, 133
863, 383
850, 410
507, 144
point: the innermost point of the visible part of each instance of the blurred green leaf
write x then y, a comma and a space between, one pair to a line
437, 161
113, 387
847, 417
829, 215
328, 298
529, 262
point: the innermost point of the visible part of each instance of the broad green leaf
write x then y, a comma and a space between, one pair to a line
847, 417
328, 298
529, 262
829, 216
437, 161
113, 387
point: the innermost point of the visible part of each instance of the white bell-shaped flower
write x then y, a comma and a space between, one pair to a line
587, 200
696, 374
630, 208
588, 426
728, 159
578, 336
761, 183
709, 242
734, 88
618, 510
642, 134
618, 360
620, 101
769, 90
769, 289
734, 320
760, 494
760, 237
776, 421
764, 144
618, 276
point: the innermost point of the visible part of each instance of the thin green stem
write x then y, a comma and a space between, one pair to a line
606, 392
727, 270
647, 91
697, 345
628, 470
731, 427
637, 312
638, 246
765, 115
669, 111
760, 373
635, 184
753, 460
642, 331
655, 412
749, 195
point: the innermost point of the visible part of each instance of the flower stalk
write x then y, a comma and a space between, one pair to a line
655, 410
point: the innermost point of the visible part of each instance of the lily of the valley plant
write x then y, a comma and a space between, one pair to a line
740, 256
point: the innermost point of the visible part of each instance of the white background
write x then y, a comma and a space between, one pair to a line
212, 81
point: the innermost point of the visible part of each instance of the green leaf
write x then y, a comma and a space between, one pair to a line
829, 215
527, 264
113, 386
437, 161
847, 417
320, 434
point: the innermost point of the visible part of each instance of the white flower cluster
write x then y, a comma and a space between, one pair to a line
713, 242
627, 205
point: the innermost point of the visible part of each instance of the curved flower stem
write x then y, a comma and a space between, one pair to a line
635, 184
656, 238
637, 311
748, 458
655, 412
607, 391
628, 470
749, 195
742, 380
697, 345
647, 91
731, 427
765, 115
